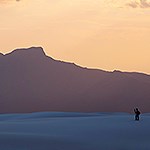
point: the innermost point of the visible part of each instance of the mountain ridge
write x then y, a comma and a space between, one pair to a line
27, 50
40, 50
32, 81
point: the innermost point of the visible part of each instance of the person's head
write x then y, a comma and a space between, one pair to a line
136, 109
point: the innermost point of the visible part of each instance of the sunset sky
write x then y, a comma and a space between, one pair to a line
105, 34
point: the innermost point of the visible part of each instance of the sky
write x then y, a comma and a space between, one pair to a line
105, 34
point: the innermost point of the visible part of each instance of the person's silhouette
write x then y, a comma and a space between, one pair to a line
137, 114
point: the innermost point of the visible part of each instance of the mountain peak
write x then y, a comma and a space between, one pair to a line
32, 51
35, 51
117, 71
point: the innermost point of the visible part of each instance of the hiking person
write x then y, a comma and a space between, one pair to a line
137, 114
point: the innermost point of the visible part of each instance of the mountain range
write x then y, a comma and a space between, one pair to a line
31, 81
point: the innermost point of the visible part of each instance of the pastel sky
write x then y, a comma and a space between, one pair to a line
105, 34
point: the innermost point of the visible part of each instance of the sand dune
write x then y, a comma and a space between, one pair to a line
74, 131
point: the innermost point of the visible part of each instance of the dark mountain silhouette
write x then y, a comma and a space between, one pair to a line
31, 81
1, 55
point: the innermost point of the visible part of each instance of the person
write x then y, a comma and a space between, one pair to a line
137, 114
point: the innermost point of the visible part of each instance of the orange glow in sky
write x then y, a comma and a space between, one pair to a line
105, 34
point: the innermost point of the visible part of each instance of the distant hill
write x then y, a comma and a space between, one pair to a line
31, 81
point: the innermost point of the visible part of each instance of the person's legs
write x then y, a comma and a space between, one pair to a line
137, 117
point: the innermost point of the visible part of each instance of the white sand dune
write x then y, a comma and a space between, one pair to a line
74, 131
